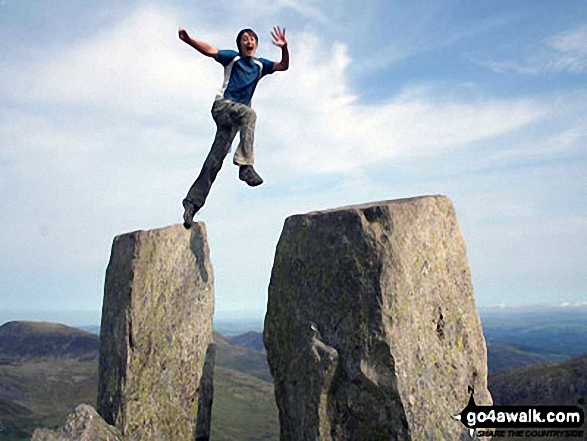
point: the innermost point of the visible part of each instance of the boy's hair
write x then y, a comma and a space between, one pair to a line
240, 35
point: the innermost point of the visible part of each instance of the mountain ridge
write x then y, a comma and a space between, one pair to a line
27, 339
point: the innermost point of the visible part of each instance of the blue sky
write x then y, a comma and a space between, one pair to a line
105, 121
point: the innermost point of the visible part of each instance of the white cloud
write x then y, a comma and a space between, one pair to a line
562, 143
139, 68
314, 99
504, 66
305, 8
574, 41
565, 52
573, 304
570, 51
254, 10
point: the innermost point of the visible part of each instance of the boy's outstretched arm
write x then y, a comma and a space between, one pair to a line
279, 40
201, 46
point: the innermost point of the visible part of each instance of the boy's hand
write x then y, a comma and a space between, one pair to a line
278, 36
201, 46
183, 35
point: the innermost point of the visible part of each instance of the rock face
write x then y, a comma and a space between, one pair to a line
371, 331
156, 352
82, 425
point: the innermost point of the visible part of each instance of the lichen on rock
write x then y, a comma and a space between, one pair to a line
156, 334
82, 425
371, 330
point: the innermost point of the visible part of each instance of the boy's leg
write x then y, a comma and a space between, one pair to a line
199, 190
201, 187
244, 152
246, 117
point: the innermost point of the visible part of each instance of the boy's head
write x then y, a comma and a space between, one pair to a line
247, 42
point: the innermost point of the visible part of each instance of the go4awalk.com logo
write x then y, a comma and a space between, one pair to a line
519, 421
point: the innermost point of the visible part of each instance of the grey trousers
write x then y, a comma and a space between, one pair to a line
230, 117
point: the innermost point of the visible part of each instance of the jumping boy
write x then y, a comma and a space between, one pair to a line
232, 110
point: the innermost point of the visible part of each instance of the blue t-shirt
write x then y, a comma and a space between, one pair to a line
241, 75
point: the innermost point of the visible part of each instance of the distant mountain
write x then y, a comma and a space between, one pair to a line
555, 330
250, 340
43, 378
95, 329
237, 326
46, 370
39, 339
503, 356
554, 384
238, 358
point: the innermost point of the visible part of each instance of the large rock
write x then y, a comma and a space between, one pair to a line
156, 354
371, 331
82, 425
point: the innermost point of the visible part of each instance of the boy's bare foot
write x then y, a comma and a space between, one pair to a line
190, 210
248, 174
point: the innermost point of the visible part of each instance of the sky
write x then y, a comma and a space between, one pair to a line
105, 122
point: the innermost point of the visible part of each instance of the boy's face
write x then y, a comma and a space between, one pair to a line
248, 45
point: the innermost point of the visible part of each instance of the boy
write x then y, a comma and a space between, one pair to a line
232, 110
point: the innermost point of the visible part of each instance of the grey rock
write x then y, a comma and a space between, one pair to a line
83, 425
372, 331
156, 335
206, 396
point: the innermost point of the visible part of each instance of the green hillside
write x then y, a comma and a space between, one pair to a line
244, 407
563, 383
46, 369
40, 390
553, 384
15, 421
503, 356
43, 391
242, 359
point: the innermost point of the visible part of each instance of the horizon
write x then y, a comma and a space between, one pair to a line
76, 318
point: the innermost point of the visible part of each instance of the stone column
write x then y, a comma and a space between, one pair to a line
156, 335
371, 331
